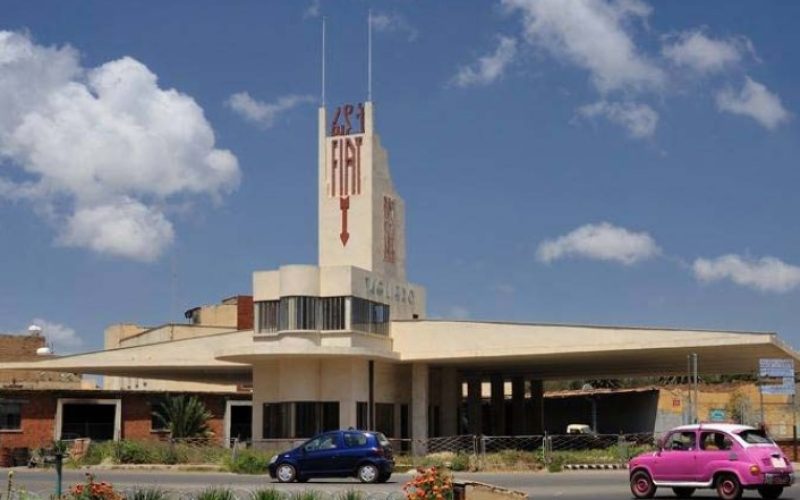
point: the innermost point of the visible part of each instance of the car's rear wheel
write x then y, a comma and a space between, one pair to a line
683, 492
286, 473
770, 492
368, 473
728, 487
642, 485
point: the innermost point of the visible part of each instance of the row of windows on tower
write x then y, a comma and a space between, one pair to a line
322, 313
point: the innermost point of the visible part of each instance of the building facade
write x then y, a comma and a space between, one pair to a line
347, 342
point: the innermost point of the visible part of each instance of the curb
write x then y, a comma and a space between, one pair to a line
595, 466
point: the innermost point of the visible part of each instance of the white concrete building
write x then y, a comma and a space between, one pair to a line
346, 342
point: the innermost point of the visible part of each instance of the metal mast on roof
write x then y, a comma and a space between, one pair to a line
369, 55
323, 62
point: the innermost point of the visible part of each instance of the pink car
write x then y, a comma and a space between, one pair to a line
727, 457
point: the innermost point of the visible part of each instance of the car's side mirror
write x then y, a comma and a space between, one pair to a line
660, 443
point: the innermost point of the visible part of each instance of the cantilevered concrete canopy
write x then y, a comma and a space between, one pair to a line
538, 350
186, 360
578, 351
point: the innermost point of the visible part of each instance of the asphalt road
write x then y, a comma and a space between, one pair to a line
577, 485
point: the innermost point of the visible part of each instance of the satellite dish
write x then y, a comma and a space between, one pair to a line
35, 330
44, 351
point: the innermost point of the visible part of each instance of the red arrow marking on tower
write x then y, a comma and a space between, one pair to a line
344, 205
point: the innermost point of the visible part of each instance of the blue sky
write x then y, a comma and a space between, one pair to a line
621, 162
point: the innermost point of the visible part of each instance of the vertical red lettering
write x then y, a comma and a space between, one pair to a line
334, 166
358, 164
361, 117
350, 167
341, 167
348, 112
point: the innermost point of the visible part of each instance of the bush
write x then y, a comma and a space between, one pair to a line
460, 462
248, 462
90, 490
432, 482
308, 495
267, 494
351, 495
147, 494
215, 493
134, 452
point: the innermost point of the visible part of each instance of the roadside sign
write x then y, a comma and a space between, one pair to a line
776, 367
786, 387
716, 414
776, 376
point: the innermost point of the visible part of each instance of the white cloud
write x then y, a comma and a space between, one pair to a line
488, 68
128, 229
756, 101
601, 242
392, 22
313, 10
264, 113
63, 338
639, 119
767, 274
695, 50
92, 140
594, 35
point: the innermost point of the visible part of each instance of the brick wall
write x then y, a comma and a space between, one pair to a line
244, 312
38, 411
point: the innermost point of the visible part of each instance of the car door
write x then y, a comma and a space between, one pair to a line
321, 455
356, 445
715, 451
676, 460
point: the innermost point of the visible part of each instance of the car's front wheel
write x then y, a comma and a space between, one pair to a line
728, 487
367, 473
642, 485
770, 492
286, 473
683, 492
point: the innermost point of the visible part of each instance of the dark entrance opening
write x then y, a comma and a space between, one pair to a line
241, 422
87, 420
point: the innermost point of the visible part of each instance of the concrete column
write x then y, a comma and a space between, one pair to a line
537, 403
451, 401
419, 407
498, 406
518, 406
474, 406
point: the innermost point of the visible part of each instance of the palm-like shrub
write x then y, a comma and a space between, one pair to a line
184, 416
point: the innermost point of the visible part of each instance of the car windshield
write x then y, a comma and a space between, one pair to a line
755, 436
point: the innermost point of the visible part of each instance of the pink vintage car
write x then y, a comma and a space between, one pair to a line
727, 457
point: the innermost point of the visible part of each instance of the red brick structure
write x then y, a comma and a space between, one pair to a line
38, 410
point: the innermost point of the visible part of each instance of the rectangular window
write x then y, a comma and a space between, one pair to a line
370, 317
10, 416
276, 420
384, 418
362, 415
267, 314
312, 417
333, 313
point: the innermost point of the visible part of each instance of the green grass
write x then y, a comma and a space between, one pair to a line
248, 462
215, 493
267, 494
147, 494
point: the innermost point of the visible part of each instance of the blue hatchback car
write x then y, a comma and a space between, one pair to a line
365, 455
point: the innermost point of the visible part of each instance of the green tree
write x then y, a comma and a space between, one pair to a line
184, 416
